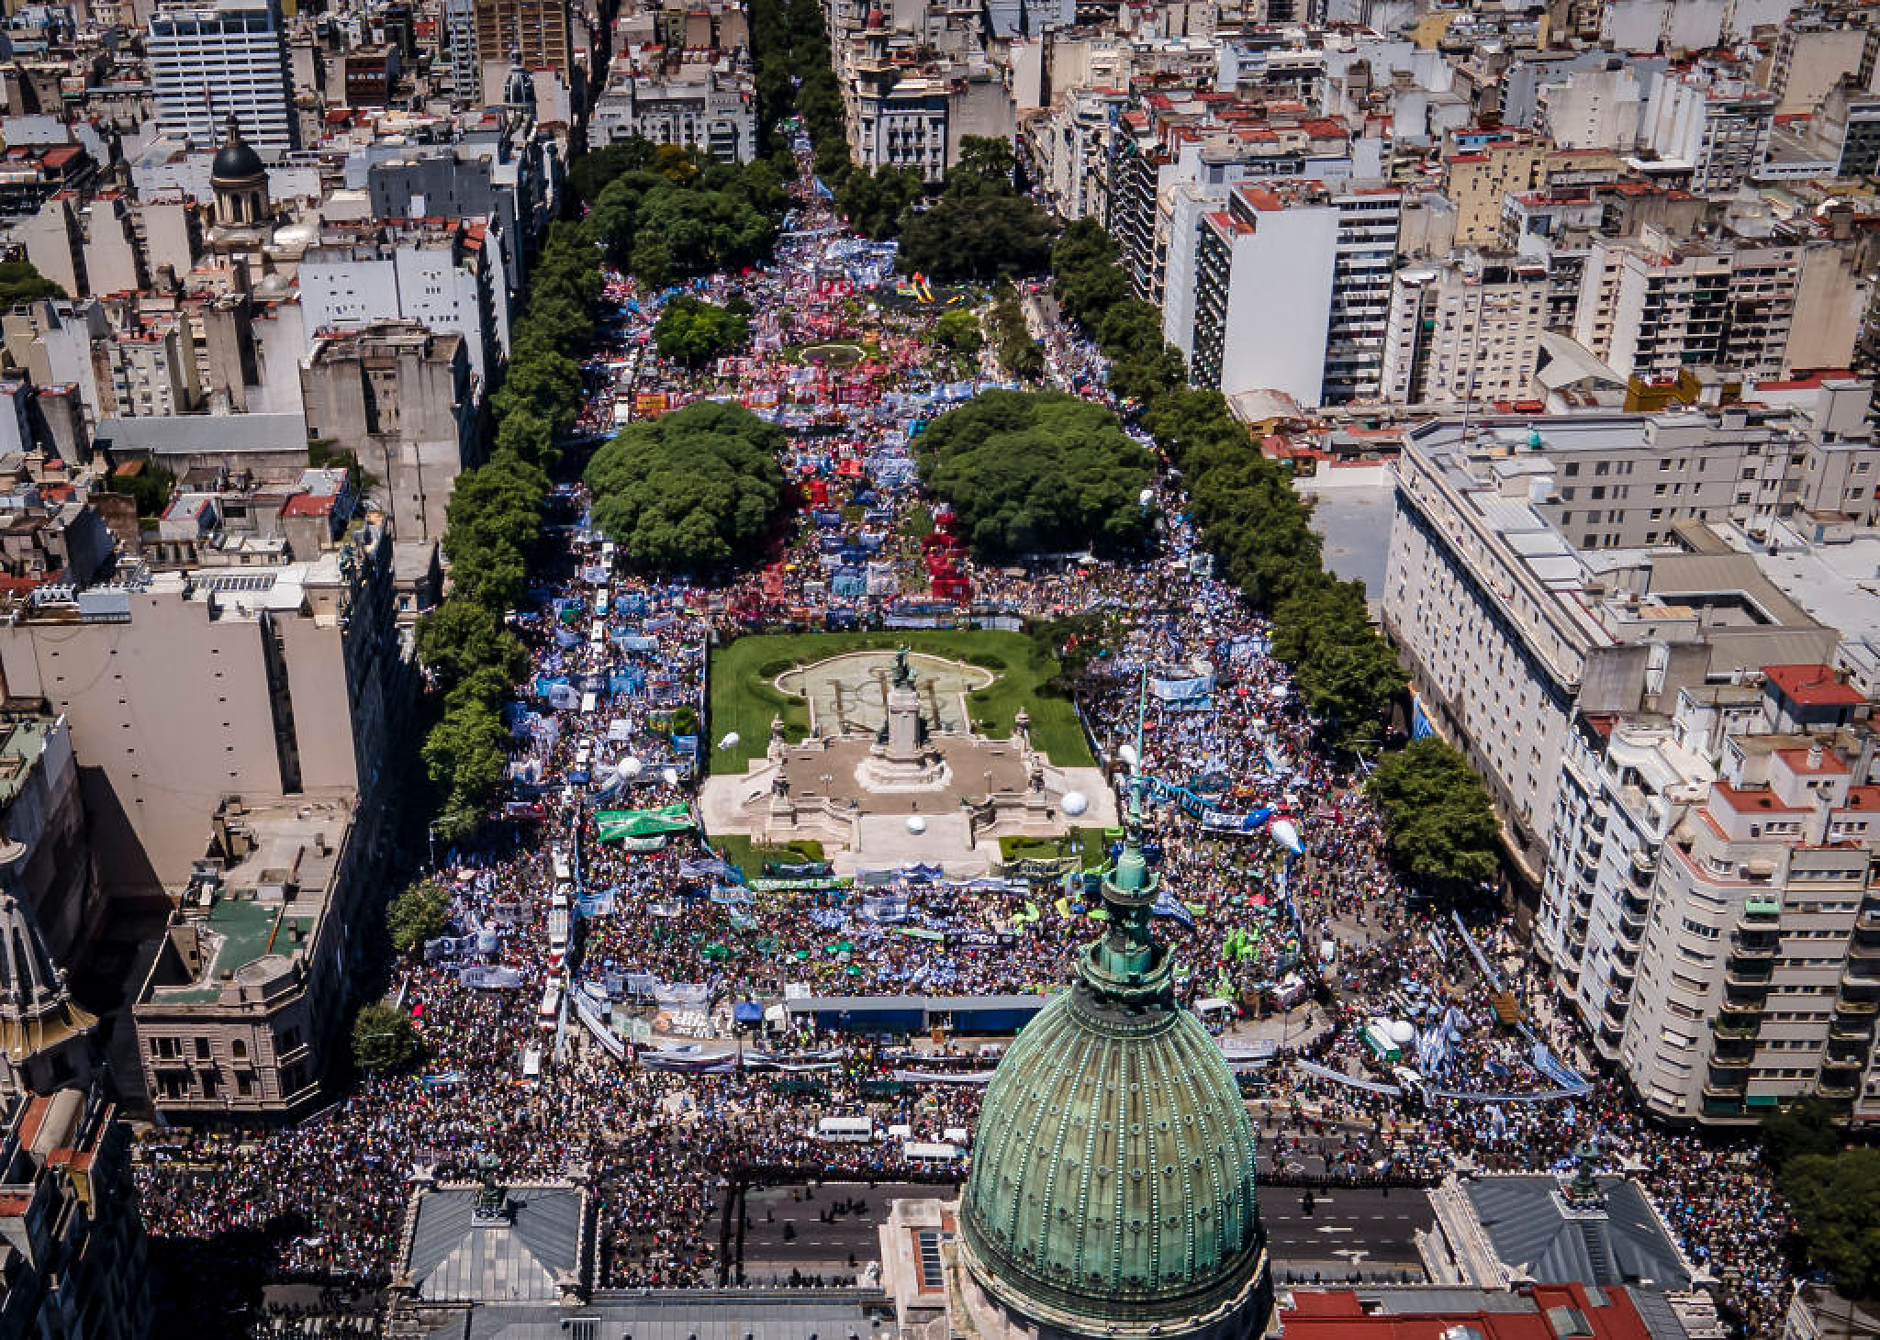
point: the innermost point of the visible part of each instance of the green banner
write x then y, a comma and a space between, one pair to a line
613, 824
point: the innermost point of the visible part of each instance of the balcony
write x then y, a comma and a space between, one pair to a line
1723, 1026
1726, 1091
1846, 1061
1861, 951
1753, 951
1858, 1008
1734, 1060
1850, 1030
1747, 979
1835, 1088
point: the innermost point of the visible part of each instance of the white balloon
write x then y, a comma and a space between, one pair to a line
1286, 833
1401, 1031
630, 767
1128, 754
916, 824
1146, 497
731, 741
1075, 803
670, 776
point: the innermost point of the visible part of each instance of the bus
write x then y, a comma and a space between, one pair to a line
844, 1130
559, 908
548, 1018
564, 872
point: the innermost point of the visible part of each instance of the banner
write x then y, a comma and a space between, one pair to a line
615, 824
943, 1076
486, 978
811, 885
1177, 687
609, 1041
1229, 821
682, 993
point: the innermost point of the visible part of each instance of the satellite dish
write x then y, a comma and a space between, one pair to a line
916, 824
1075, 803
631, 767
731, 741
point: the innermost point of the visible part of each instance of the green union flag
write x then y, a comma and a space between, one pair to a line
613, 824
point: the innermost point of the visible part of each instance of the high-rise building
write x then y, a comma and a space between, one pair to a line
535, 32
1468, 329
210, 62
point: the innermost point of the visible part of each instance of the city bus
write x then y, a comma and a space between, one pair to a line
548, 1018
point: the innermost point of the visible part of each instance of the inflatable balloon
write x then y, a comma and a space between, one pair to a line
1075, 803
1286, 833
731, 741
631, 767
916, 824
669, 775
1401, 1031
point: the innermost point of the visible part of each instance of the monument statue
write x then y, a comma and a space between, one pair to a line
903, 672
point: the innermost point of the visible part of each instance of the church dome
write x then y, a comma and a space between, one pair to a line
1112, 1184
236, 162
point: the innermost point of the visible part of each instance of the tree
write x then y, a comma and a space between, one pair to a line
383, 1037
986, 166
1346, 673
20, 283
976, 237
149, 484
959, 331
546, 384
1806, 1125
693, 491
461, 640
1031, 471
1836, 1202
420, 913
1436, 814
875, 201
693, 331
464, 755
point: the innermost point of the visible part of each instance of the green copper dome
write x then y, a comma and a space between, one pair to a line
1112, 1181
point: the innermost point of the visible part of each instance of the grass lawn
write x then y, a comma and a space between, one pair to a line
744, 697
1096, 847
737, 849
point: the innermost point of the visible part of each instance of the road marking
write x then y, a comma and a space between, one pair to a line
1333, 1228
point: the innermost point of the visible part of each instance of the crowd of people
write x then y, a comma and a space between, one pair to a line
656, 937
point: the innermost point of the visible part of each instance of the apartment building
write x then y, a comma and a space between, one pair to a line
1709, 123
1468, 329
181, 687
209, 62
1653, 305
71, 1241
1759, 966
707, 106
537, 33
1519, 607
238, 1016
1323, 255
46, 863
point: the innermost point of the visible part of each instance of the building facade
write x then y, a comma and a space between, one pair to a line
210, 62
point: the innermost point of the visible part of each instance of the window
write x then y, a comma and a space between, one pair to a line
202, 1049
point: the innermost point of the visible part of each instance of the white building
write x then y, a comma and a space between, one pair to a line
1322, 256
212, 61
1716, 126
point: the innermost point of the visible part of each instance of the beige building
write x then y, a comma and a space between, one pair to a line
46, 861
1516, 612
183, 687
1468, 329
238, 1014
1759, 964
403, 400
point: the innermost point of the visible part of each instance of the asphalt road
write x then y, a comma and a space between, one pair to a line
1367, 1230
818, 1247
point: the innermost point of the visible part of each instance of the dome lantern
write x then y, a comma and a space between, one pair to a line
1112, 1190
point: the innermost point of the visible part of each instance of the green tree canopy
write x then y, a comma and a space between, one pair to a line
1346, 673
695, 491
1436, 813
383, 1037
875, 201
976, 237
465, 757
959, 331
693, 331
1836, 1202
420, 913
1809, 1124
1037, 471
20, 282
464, 643
150, 485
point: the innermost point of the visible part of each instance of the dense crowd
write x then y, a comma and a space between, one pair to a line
661, 936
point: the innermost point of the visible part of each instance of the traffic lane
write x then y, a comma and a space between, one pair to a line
811, 1240
1366, 1227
